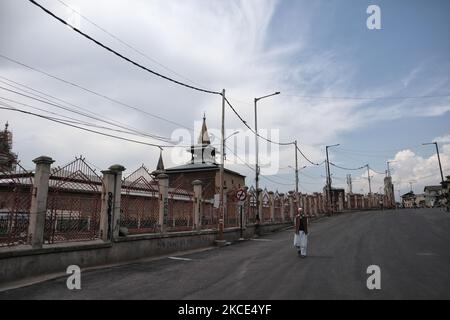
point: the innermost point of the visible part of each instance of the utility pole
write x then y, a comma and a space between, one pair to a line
296, 169
329, 198
221, 206
349, 183
439, 158
256, 162
368, 177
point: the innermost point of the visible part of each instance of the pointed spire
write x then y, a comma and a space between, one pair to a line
6, 126
204, 135
160, 166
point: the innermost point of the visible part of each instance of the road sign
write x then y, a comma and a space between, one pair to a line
241, 195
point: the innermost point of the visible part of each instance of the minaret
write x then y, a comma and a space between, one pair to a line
160, 166
203, 152
8, 159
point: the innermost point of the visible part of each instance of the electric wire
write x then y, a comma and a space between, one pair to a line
121, 55
123, 104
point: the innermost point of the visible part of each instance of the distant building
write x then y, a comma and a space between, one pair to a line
433, 195
389, 200
409, 200
203, 167
8, 159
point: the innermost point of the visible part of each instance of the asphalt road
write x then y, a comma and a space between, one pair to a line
411, 247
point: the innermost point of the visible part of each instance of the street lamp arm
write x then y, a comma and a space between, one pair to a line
269, 95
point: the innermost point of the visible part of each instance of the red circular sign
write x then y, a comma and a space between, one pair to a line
241, 195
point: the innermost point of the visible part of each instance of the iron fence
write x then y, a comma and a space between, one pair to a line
15, 202
74, 203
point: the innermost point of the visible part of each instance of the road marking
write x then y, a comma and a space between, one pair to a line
177, 258
262, 240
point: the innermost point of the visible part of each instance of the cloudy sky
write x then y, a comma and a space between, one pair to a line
379, 93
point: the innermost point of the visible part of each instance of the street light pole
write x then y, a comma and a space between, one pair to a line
368, 177
221, 206
330, 207
296, 169
257, 152
439, 158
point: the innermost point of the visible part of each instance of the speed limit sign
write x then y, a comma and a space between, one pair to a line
241, 195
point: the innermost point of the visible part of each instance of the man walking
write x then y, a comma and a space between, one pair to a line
301, 233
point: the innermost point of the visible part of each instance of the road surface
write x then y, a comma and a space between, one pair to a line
411, 247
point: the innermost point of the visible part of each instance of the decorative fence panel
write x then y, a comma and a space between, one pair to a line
15, 201
266, 207
286, 208
251, 206
232, 214
180, 210
210, 214
74, 203
139, 203
278, 210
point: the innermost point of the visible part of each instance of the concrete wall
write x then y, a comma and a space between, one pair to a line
24, 262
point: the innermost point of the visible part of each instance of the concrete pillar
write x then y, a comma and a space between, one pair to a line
198, 214
116, 170
282, 205
349, 204
291, 205
272, 206
38, 207
163, 181
106, 210
316, 204
341, 202
260, 205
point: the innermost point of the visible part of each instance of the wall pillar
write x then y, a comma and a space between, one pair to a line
163, 181
38, 207
272, 206
282, 206
106, 210
291, 205
260, 205
117, 187
198, 214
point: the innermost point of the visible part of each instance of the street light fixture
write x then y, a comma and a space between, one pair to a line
388, 168
439, 158
257, 151
330, 207
231, 135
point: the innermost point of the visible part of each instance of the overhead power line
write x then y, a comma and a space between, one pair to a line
125, 43
93, 92
86, 113
121, 55
349, 169
264, 138
78, 127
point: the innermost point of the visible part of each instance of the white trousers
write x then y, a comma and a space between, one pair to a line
301, 242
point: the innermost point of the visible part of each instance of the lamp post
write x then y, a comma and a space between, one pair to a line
439, 158
257, 151
330, 204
